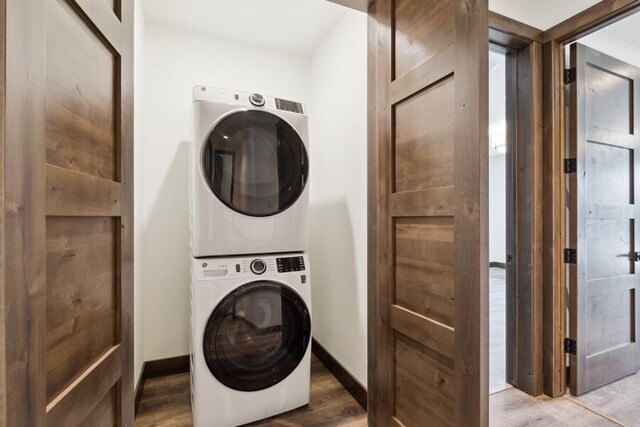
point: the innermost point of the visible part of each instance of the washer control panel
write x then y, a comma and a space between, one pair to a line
247, 267
289, 264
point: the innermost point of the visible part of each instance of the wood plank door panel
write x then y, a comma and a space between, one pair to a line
604, 123
429, 136
72, 362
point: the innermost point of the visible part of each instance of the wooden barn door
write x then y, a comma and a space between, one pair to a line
68, 170
604, 205
428, 209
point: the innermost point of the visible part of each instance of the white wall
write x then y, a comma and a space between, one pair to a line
497, 208
497, 165
138, 189
624, 50
333, 85
338, 252
174, 61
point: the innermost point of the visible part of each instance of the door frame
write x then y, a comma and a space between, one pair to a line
523, 48
555, 39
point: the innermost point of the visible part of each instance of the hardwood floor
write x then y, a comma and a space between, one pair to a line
618, 400
513, 408
166, 401
497, 329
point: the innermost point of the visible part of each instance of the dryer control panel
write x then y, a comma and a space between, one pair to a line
251, 100
284, 105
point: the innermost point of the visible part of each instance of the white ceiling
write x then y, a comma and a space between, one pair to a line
542, 14
296, 26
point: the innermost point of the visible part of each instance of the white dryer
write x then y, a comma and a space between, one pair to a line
249, 174
251, 332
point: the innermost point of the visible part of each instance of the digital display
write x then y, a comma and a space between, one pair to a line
286, 265
295, 107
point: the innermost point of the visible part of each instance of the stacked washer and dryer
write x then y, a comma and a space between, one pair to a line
250, 295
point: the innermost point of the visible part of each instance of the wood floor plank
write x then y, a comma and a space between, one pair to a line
514, 408
618, 400
166, 401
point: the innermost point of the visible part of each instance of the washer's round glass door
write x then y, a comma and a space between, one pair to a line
255, 163
257, 336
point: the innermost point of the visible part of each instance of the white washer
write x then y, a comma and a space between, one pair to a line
249, 174
251, 333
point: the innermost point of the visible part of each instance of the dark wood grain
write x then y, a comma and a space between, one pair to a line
425, 267
554, 224
431, 201
510, 33
81, 97
72, 193
81, 296
167, 401
471, 164
420, 378
24, 222
3, 30
430, 287
423, 150
105, 20
419, 32
525, 197
103, 413
125, 250
90, 207
423, 75
380, 380
527, 183
372, 210
80, 399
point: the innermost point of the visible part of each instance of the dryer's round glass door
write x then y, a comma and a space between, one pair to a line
255, 163
257, 336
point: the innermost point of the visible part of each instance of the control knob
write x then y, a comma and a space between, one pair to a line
258, 266
257, 99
